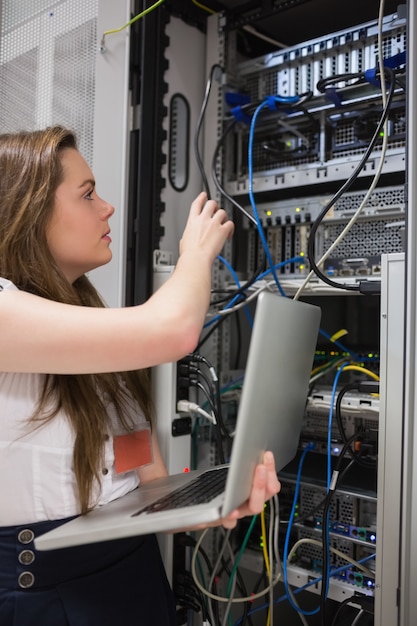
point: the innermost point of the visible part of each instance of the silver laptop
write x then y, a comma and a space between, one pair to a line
271, 408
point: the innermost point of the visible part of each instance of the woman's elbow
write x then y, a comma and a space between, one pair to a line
188, 339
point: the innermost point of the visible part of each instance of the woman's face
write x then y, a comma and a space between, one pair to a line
78, 232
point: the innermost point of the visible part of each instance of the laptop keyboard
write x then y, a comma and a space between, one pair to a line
199, 491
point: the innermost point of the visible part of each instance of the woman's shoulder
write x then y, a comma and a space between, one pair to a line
6, 284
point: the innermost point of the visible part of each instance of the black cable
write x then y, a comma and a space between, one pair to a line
219, 438
338, 413
213, 328
211, 391
188, 595
315, 225
401, 82
325, 526
230, 295
214, 387
195, 592
356, 599
306, 516
189, 381
239, 579
220, 414
198, 129
241, 290
189, 541
247, 617
238, 330
217, 183
326, 540
197, 372
249, 109
299, 151
216, 392
323, 83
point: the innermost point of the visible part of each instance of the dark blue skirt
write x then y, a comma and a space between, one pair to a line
100, 584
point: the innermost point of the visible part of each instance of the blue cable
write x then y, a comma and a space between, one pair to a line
326, 521
237, 281
300, 259
294, 259
231, 383
329, 431
314, 581
307, 449
238, 296
268, 102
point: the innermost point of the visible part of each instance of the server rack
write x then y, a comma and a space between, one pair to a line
113, 121
291, 188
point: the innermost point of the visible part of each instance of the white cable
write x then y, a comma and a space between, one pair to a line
338, 553
354, 218
233, 587
260, 594
357, 618
253, 31
244, 302
186, 406
278, 558
380, 164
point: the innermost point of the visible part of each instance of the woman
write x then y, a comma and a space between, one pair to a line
73, 380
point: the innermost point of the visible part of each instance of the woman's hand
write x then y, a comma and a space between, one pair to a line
207, 229
265, 485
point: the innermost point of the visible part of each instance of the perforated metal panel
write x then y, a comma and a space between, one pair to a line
314, 554
47, 66
368, 237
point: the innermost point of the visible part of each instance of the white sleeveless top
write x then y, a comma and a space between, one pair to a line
37, 481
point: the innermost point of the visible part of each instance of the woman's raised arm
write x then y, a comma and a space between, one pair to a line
39, 335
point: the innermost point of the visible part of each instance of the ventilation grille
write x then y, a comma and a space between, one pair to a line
367, 238
47, 67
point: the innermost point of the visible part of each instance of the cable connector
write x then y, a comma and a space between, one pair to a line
370, 287
368, 386
186, 406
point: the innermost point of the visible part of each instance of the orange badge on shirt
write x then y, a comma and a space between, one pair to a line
132, 450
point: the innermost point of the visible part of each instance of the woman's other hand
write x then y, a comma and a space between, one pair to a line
265, 485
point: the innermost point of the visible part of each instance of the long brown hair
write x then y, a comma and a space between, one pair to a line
30, 172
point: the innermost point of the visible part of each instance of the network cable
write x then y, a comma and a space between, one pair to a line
343, 368
231, 124
236, 279
314, 581
332, 478
270, 101
224, 599
246, 112
385, 72
286, 553
361, 386
236, 303
326, 523
362, 601
129, 23
197, 155
199, 358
